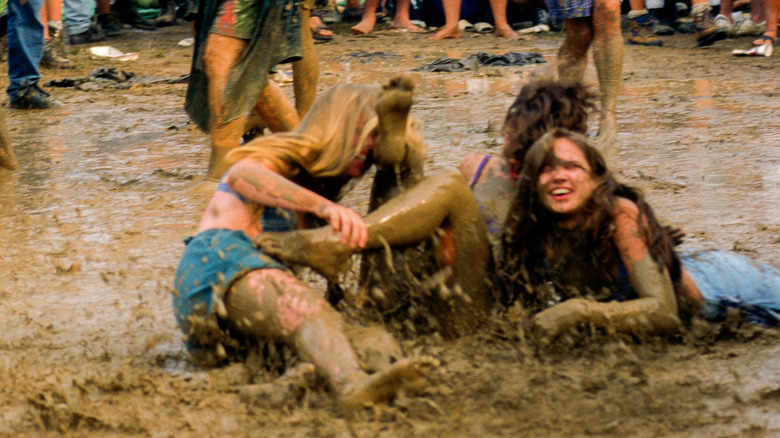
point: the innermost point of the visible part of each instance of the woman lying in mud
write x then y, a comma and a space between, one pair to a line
467, 214
227, 290
581, 249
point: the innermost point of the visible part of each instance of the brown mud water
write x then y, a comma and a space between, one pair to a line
92, 224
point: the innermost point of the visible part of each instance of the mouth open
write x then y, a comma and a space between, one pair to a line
560, 193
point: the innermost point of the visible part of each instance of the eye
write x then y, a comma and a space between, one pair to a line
547, 168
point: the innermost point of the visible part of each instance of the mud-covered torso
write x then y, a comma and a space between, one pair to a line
572, 270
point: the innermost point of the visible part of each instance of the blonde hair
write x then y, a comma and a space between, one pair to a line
323, 144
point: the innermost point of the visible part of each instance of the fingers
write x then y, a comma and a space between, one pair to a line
353, 229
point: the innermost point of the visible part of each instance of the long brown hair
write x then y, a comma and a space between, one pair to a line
522, 260
541, 106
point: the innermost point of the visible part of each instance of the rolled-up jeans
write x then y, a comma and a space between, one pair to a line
25, 45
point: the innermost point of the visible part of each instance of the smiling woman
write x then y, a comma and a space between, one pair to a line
581, 249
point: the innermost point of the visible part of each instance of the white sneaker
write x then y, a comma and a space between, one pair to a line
722, 22
749, 27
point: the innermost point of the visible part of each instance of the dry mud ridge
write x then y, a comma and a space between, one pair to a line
92, 227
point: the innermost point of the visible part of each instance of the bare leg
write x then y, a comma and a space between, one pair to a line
307, 70
401, 19
573, 54
772, 10
276, 109
503, 29
411, 217
368, 21
220, 55
7, 156
451, 17
608, 57
272, 304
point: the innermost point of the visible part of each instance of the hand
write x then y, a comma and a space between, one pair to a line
353, 229
550, 323
676, 234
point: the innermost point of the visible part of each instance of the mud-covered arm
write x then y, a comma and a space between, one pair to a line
260, 183
655, 311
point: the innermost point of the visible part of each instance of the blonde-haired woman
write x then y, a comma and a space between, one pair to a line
228, 290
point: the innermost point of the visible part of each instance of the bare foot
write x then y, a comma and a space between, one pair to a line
365, 26
446, 32
608, 130
318, 249
407, 25
392, 108
506, 32
405, 375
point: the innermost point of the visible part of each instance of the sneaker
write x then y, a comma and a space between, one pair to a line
91, 35
706, 31
722, 22
640, 31
110, 25
52, 59
749, 27
660, 23
685, 25
33, 97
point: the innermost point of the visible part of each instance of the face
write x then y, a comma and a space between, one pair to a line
566, 185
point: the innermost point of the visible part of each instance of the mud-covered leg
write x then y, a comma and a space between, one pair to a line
307, 70
573, 53
392, 108
411, 217
273, 305
7, 156
608, 57
221, 53
276, 109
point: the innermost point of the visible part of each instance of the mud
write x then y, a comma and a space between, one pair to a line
92, 226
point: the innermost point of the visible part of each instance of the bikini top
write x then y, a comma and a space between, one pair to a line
272, 218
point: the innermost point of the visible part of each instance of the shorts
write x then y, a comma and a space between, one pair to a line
726, 280
212, 261
238, 18
564, 9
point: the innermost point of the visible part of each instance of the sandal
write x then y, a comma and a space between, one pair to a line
764, 49
321, 32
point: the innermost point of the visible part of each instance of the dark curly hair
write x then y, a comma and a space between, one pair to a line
523, 269
541, 106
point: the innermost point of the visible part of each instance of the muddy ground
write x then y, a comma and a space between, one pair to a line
92, 227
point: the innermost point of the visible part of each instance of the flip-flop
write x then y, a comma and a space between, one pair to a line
319, 36
764, 49
483, 27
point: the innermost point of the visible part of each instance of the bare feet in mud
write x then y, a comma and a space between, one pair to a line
404, 375
318, 249
365, 26
406, 25
392, 108
445, 33
506, 32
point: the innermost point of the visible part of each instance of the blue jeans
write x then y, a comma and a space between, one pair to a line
25, 45
77, 15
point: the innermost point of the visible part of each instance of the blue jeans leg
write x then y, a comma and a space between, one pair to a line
77, 15
25, 45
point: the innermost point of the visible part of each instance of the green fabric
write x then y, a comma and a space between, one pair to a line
276, 39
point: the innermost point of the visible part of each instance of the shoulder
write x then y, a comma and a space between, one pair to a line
483, 165
625, 210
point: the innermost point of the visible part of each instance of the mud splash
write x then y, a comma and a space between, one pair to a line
93, 222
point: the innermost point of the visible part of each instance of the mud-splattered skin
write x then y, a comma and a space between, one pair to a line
566, 185
272, 304
602, 31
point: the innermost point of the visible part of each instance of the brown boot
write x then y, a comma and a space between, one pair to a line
706, 30
52, 58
